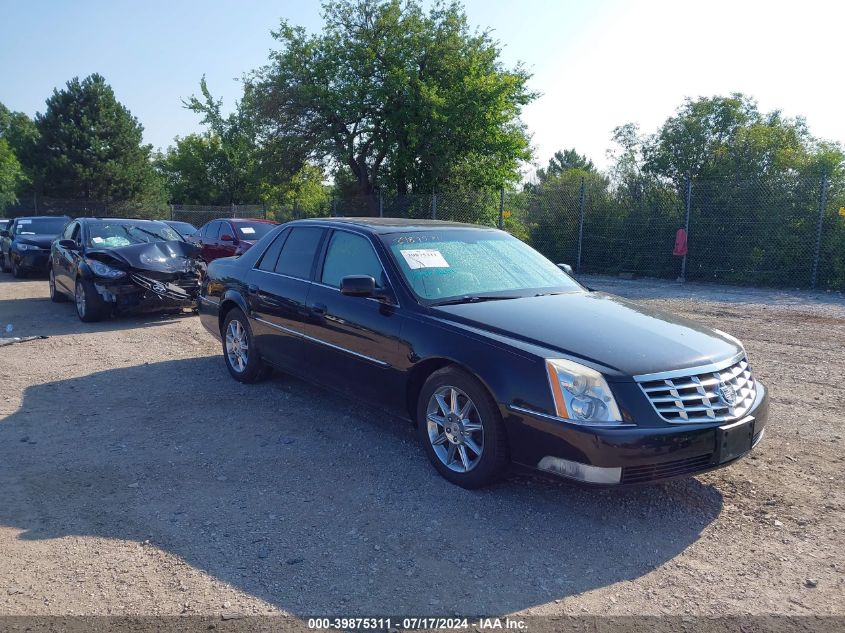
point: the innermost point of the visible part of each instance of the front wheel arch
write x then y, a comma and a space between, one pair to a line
425, 368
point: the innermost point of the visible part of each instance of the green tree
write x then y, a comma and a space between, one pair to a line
399, 97
11, 174
236, 162
563, 161
90, 145
21, 133
194, 170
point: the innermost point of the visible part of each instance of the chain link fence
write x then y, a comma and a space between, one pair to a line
785, 231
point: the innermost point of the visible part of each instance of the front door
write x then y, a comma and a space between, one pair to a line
354, 340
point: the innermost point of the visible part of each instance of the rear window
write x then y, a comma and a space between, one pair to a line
40, 226
253, 231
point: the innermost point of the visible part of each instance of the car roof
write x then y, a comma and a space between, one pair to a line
116, 220
239, 220
42, 217
394, 225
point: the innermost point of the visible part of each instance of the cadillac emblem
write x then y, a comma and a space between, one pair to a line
727, 393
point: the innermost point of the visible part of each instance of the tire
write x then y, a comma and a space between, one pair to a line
90, 307
17, 271
56, 295
453, 435
5, 263
239, 352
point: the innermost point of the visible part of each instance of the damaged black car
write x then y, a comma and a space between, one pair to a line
111, 266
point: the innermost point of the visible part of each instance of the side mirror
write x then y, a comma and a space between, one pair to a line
566, 268
226, 238
4, 233
358, 286
69, 245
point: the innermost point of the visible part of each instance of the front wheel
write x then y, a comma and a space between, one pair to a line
461, 429
90, 307
17, 271
242, 359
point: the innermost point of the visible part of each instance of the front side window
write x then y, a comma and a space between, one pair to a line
107, 234
298, 253
350, 254
453, 263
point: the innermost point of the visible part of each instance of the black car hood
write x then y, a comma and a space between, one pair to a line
607, 330
173, 256
43, 241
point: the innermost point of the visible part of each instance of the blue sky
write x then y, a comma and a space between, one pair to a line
598, 64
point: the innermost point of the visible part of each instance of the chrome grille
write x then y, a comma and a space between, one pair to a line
702, 395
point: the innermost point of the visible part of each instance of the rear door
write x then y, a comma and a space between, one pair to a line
278, 290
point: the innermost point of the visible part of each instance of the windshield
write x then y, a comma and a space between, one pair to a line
40, 226
452, 263
116, 234
253, 230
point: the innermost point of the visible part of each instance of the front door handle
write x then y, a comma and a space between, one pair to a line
319, 309
252, 288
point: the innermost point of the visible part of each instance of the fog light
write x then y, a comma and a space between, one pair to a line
579, 471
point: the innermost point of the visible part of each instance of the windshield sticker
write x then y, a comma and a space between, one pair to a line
424, 258
247, 230
97, 240
24, 221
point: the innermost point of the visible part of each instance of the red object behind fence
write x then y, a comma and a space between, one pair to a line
680, 243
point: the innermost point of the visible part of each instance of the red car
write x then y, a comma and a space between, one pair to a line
232, 236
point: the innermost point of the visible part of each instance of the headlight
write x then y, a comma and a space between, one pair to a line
581, 394
102, 270
25, 247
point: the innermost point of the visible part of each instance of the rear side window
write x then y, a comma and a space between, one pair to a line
350, 254
271, 255
298, 253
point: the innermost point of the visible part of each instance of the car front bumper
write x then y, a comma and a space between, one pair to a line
631, 454
31, 260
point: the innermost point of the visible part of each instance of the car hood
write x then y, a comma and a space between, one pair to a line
172, 256
43, 241
620, 335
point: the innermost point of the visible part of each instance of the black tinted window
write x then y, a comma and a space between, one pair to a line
268, 260
350, 254
298, 252
209, 230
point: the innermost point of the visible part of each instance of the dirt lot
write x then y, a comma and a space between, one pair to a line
137, 478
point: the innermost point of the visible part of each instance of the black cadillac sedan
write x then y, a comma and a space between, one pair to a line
496, 354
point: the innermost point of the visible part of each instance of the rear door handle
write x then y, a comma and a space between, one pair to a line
252, 288
319, 309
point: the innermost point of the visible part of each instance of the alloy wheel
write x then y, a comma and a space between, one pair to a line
454, 429
237, 345
79, 295
52, 282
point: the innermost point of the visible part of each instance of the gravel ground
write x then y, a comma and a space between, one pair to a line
137, 478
